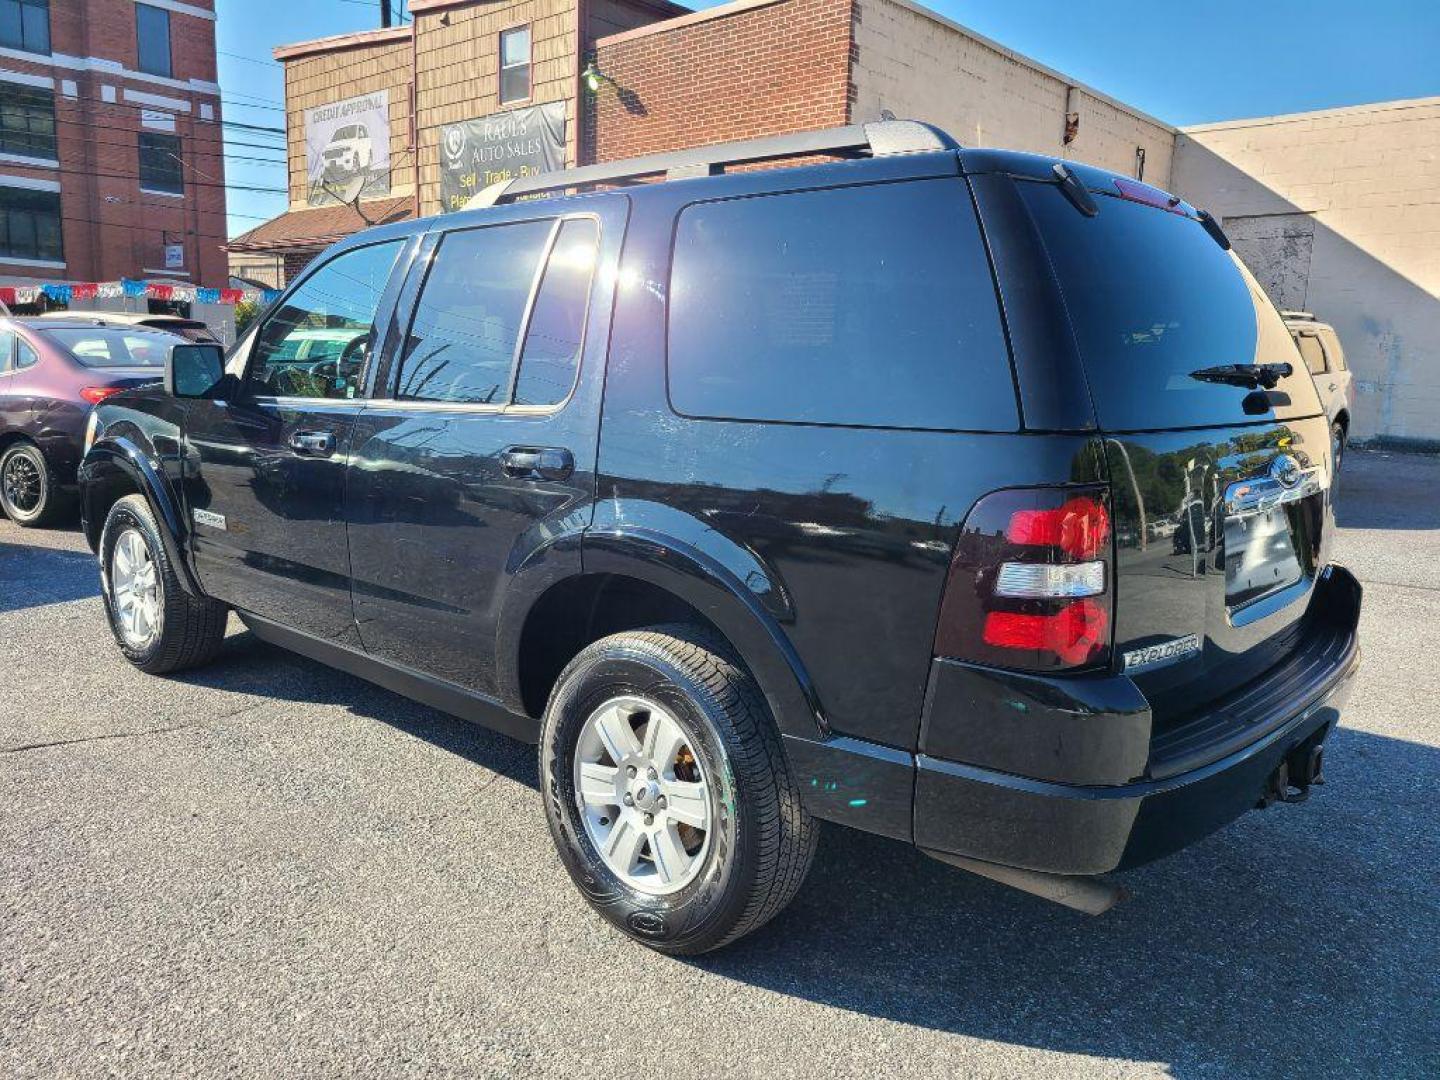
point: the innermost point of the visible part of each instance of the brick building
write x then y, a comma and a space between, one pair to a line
111, 162
472, 86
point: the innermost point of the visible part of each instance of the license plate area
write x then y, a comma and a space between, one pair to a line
1271, 538
1260, 556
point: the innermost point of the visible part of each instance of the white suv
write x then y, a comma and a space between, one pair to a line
1320, 346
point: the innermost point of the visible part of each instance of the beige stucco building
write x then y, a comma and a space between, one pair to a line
1338, 212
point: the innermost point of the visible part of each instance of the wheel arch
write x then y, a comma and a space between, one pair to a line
632, 580
115, 467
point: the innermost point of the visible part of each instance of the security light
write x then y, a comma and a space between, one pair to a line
595, 78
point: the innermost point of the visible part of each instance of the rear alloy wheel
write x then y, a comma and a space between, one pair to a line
159, 626
1337, 447
668, 793
645, 797
27, 485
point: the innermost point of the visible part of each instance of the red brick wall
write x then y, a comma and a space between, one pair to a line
760, 71
111, 228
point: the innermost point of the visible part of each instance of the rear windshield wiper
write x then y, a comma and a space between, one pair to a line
1250, 376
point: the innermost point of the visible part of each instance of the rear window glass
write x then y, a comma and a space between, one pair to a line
102, 348
1152, 298
869, 306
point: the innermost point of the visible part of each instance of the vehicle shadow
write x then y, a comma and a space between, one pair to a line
1300, 940
34, 576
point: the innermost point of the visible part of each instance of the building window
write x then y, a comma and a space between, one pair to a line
30, 224
25, 24
27, 121
152, 35
161, 167
514, 64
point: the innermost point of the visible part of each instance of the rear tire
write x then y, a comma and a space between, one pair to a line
750, 858
159, 626
30, 491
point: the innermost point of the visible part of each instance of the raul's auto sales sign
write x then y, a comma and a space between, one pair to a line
503, 146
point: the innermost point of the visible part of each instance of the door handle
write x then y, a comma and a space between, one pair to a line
1332, 386
544, 462
321, 443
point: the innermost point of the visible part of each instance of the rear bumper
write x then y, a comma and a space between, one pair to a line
1068, 780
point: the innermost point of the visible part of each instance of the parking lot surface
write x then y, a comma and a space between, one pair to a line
269, 868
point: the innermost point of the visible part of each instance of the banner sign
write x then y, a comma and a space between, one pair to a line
347, 149
503, 146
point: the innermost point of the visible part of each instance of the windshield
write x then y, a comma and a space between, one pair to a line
1152, 299
108, 347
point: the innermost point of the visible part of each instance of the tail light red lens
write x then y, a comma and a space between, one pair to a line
1075, 633
96, 394
1031, 581
1079, 528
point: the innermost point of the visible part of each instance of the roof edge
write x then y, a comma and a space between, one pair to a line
679, 22
1397, 105
357, 39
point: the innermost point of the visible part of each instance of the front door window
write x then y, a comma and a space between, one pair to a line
316, 344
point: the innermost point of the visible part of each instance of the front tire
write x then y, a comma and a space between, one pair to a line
159, 626
30, 491
667, 791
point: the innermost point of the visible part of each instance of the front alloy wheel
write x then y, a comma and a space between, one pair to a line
135, 587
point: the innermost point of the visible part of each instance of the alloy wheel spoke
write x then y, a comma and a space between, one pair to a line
671, 859
687, 802
613, 727
597, 784
663, 740
623, 845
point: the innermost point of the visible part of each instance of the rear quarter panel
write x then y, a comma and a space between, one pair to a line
841, 536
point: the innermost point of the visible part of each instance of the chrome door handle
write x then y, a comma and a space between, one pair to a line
313, 442
544, 462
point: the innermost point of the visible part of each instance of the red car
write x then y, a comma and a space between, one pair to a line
52, 372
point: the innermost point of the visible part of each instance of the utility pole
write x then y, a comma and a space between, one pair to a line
384, 13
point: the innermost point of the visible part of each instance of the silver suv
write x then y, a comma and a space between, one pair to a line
1320, 346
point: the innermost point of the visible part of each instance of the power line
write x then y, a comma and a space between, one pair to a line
250, 59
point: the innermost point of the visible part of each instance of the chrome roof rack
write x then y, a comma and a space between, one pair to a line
879, 139
1299, 316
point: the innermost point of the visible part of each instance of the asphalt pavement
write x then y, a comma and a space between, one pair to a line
267, 868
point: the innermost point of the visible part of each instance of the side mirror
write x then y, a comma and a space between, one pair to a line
194, 369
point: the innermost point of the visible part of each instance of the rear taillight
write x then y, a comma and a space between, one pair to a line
1031, 581
96, 394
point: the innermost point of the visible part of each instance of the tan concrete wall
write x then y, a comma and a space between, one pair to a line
1362, 184
458, 69
321, 78
921, 66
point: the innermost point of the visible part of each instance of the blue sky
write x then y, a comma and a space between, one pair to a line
1186, 64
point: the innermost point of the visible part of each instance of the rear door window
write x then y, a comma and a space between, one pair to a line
867, 306
1152, 298
1334, 354
1312, 352
477, 303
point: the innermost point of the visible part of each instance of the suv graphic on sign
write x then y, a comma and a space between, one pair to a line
349, 151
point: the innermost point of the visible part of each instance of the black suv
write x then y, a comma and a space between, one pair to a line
962, 496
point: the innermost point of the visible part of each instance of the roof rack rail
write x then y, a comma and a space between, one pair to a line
879, 139
1299, 316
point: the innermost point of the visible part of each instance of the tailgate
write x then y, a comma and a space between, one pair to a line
1220, 537
1218, 455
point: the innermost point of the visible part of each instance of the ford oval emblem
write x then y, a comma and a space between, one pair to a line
1285, 471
